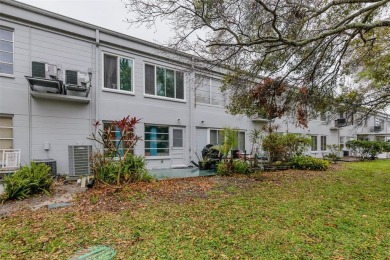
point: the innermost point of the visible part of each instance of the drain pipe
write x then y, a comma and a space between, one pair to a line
29, 104
97, 90
191, 112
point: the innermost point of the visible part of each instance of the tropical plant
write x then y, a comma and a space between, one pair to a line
27, 181
224, 168
240, 166
118, 148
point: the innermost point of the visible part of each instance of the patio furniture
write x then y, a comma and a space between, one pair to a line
10, 161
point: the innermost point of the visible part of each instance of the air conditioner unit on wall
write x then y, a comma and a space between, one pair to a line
79, 159
49, 162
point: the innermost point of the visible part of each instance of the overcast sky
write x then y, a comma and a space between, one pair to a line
109, 14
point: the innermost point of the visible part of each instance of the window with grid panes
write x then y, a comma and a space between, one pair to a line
6, 51
156, 140
6, 134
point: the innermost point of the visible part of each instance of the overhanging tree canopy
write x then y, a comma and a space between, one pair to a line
302, 43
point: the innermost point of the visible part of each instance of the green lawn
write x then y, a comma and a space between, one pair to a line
340, 214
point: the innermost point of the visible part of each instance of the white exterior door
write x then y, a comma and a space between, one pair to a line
177, 147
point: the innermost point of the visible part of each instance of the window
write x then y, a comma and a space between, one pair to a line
118, 73
156, 140
164, 82
208, 91
115, 136
314, 146
6, 135
6, 51
323, 143
342, 141
217, 138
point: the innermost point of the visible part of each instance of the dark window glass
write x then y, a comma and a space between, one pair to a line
149, 79
110, 72
179, 85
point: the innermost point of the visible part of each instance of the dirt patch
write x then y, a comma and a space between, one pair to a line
61, 193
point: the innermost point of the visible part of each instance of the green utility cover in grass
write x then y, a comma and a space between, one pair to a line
95, 252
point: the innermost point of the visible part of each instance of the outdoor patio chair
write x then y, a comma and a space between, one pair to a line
10, 161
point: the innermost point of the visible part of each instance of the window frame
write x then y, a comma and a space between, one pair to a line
118, 90
323, 141
210, 92
7, 138
155, 83
238, 139
13, 52
314, 137
149, 156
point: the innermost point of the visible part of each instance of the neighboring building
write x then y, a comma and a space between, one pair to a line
182, 109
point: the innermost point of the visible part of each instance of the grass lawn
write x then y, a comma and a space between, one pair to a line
343, 213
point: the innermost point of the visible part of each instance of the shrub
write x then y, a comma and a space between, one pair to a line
284, 147
133, 169
367, 149
224, 168
240, 166
302, 162
27, 181
334, 152
106, 171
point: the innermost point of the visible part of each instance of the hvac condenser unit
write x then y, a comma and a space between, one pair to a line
49, 162
79, 159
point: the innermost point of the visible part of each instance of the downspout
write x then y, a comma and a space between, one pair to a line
29, 103
97, 92
191, 112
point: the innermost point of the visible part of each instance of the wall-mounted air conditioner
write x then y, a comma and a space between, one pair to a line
77, 81
79, 159
44, 78
44, 70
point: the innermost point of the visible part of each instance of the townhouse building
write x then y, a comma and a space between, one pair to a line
59, 75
